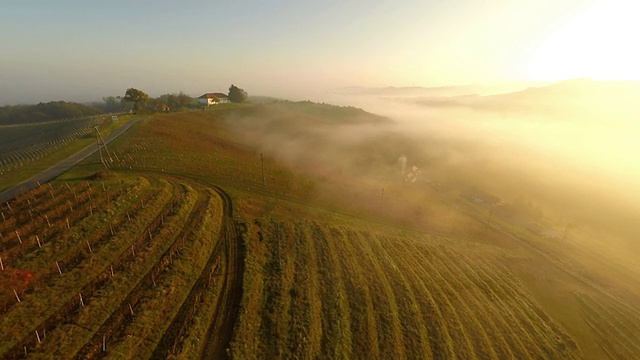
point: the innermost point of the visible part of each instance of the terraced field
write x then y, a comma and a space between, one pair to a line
125, 266
25, 143
150, 260
323, 290
321, 284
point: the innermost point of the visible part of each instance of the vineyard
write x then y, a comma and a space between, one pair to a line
327, 290
150, 260
22, 144
133, 265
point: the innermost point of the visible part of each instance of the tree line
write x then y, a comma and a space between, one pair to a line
54, 110
137, 100
133, 100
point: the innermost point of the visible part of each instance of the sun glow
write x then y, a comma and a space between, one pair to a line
599, 43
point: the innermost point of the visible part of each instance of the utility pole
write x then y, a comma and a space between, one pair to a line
486, 225
264, 182
101, 144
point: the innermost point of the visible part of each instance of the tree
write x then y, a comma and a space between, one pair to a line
111, 104
237, 95
176, 101
183, 99
137, 97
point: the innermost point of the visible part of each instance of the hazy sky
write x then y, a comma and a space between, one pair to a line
84, 50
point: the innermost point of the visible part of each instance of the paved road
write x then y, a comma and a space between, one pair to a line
61, 167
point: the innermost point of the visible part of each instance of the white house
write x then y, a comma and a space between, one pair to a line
213, 99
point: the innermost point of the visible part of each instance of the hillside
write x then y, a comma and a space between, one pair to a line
581, 98
338, 254
42, 112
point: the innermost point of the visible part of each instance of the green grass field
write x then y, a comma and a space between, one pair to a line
308, 259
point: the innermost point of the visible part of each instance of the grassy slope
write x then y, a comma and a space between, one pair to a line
333, 272
325, 277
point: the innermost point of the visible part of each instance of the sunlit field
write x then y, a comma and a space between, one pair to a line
307, 230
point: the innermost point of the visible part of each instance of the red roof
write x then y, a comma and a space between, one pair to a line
213, 95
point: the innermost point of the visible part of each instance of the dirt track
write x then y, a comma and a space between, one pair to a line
220, 330
228, 252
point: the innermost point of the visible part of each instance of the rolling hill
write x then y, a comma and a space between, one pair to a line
292, 230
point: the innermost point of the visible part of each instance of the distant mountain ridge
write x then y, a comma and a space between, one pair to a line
578, 97
437, 91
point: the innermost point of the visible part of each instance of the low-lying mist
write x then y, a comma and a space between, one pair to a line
567, 149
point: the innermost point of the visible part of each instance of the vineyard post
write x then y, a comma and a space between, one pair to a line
111, 266
1, 263
264, 182
16, 294
81, 300
111, 229
38, 337
131, 309
133, 251
3, 218
278, 243
153, 280
486, 225
18, 235
68, 227
104, 343
38, 240
58, 266
128, 216
89, 246
48, 222
51, 192
9, 206
102, 145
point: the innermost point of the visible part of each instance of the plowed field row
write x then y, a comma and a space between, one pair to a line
618, 326
19, 150
55, 223
368, 295
158, 292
